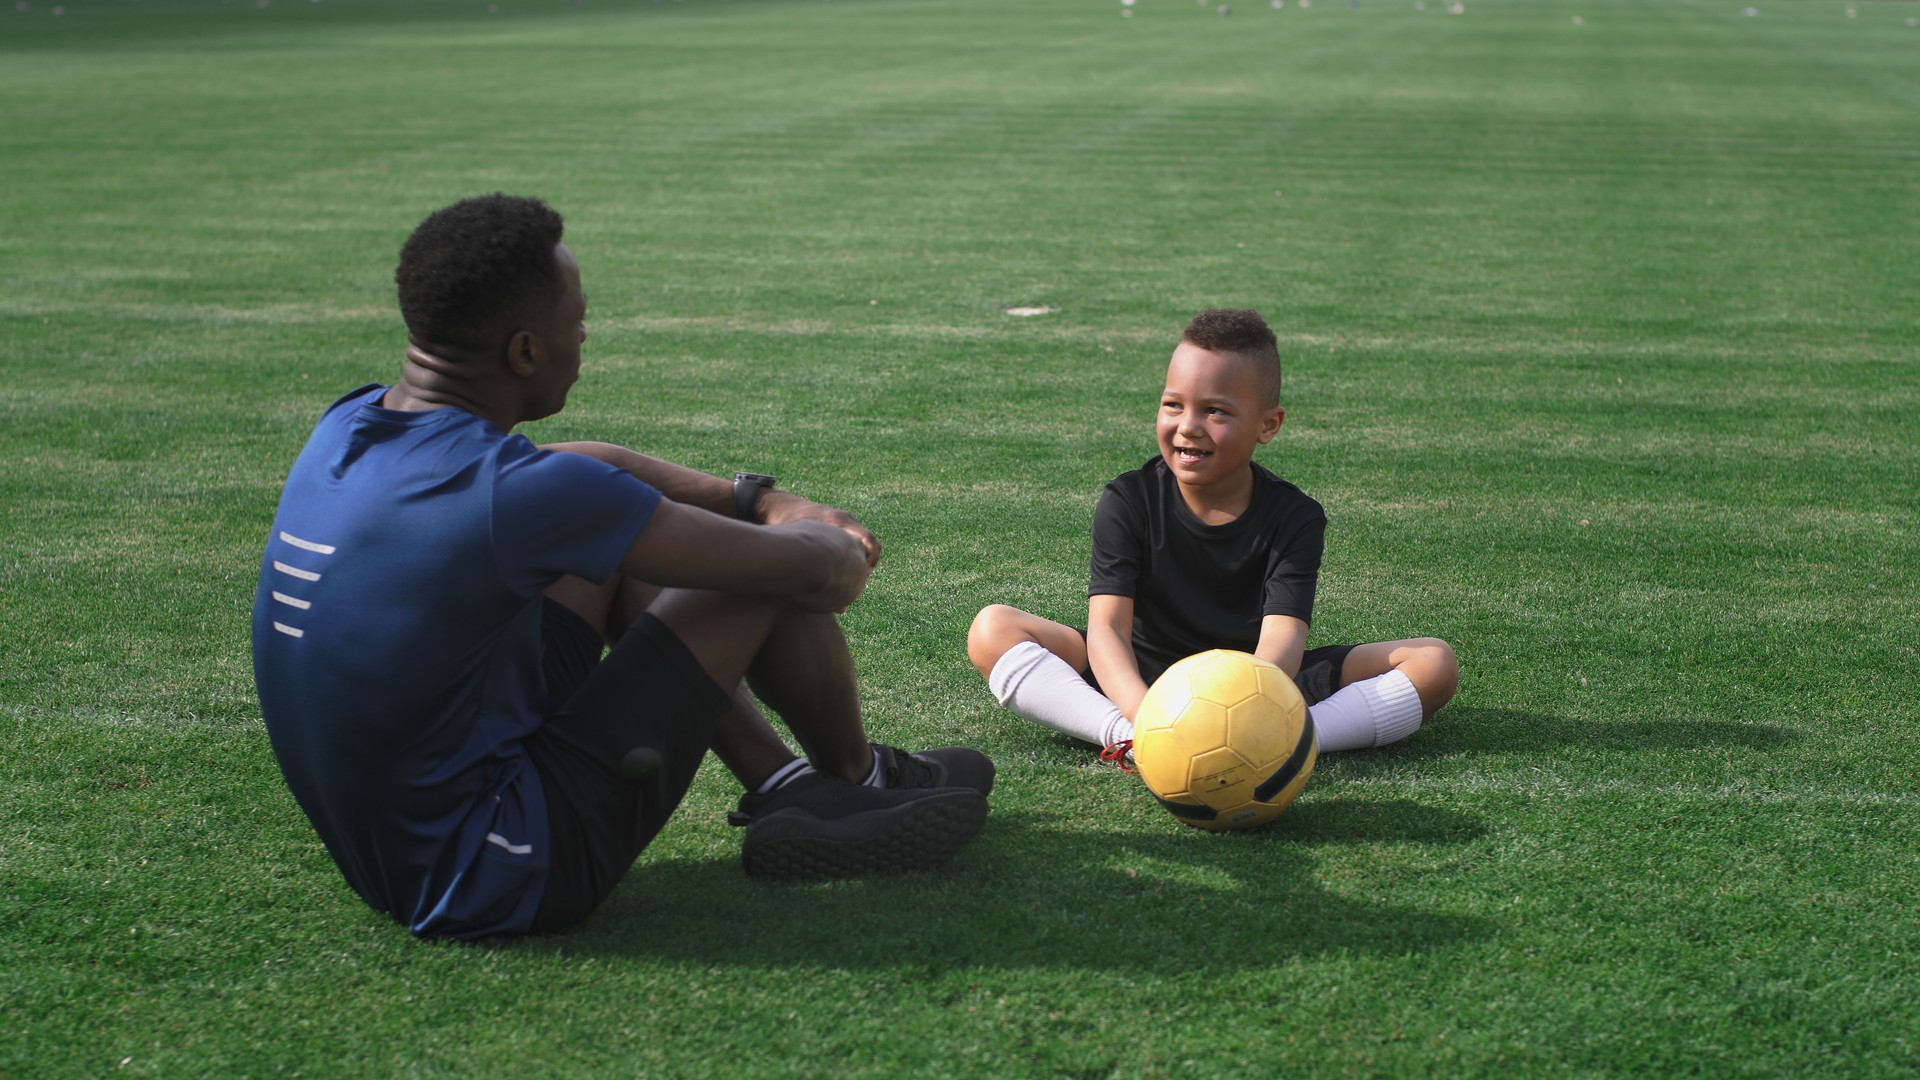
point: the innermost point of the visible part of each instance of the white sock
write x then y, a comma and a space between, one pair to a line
1039, 686
1372, 712
784, 775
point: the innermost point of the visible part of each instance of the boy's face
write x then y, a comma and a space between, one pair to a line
1212, 417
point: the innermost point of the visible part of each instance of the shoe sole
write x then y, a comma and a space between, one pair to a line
794, 845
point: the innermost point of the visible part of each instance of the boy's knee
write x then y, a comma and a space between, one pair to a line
1439, 654
991, 635
1439, 671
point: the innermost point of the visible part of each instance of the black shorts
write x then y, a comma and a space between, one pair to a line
649, 691
1319, 673
1318, 678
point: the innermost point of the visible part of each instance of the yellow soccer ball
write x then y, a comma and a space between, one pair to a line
1224, 740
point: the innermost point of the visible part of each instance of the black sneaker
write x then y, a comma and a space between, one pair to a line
818, 828
948, 766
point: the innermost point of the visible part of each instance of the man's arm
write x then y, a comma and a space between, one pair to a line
715, 494
1110, 651
1283, 641
816, 566
677, 482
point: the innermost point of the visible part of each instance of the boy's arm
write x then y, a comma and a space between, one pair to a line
1110, 651
1283, 641
817, 566
692, 487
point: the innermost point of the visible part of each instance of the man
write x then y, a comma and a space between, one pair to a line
436, 593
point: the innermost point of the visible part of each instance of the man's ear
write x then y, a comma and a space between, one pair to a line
524, 352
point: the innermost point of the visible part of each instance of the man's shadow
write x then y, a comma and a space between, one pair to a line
1036, 891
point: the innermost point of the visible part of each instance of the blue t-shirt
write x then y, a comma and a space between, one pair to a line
396, 648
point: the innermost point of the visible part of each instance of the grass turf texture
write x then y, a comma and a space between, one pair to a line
1601, 354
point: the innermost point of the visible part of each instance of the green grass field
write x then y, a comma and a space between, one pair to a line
1602, 353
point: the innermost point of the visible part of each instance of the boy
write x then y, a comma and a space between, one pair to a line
437, 592
1201, 548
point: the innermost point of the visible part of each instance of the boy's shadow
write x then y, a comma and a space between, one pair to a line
1469, 730
1034, 892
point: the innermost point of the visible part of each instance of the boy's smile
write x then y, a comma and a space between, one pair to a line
1211, 419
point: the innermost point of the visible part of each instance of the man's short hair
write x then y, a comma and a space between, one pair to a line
1241, 332
478, 270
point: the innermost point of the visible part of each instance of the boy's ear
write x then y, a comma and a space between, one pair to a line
1270, 424
524, 352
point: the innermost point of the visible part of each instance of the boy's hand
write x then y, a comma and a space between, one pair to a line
784, 507
1110, 651
1283, 641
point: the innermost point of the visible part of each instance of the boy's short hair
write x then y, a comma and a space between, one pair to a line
480, 269
1241, 332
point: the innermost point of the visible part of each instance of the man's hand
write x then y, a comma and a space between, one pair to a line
815, 566
784, 507
846, 559
711, 493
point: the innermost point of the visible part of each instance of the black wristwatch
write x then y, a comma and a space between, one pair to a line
747, 487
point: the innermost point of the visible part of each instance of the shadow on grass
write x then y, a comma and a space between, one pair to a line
1458, 730
144, 25
1032, 892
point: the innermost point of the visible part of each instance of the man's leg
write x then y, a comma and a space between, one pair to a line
1034, 668
1387, 690
815, 828
820, 825
745, 743
648, 694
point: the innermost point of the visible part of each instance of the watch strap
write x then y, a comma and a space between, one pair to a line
746, 493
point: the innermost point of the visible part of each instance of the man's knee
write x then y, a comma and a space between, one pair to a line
724, 631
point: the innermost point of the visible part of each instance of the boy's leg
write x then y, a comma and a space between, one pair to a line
1034, 667
1428, 663
999, 628
1386, 690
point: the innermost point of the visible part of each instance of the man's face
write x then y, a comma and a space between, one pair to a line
561, 334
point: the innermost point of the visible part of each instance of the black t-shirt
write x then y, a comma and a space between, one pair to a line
1195, 586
